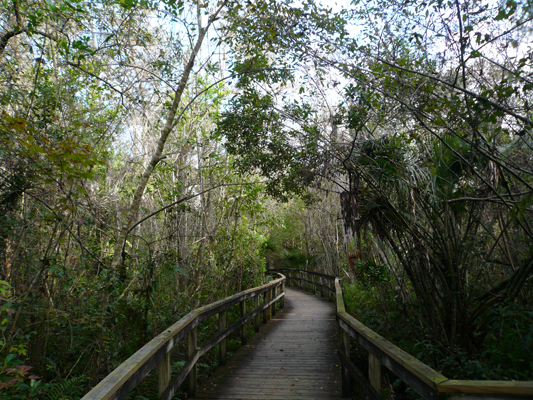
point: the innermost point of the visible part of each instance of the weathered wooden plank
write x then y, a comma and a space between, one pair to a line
339, 301
267, 396
485, 396
511, 388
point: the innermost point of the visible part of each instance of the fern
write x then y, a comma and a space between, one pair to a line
67, 389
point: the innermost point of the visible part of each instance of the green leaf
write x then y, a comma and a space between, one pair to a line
501, 15
504, 14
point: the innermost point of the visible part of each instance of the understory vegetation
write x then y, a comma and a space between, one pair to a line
156, 156
506, 353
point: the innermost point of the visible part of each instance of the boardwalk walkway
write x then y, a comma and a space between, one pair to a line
293, 357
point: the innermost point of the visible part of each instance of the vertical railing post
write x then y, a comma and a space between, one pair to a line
313, 279
222, 347
192, 343
269, 308
274, 294
321, 281
345, 348
265, 311
282, 301
243, 327
163, 374
300, 280
257, 317
374, 372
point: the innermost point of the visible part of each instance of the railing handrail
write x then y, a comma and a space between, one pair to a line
427, 382
126, 377
324, 282
330, 277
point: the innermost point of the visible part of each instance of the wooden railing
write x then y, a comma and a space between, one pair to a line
311, 281
129, 374
424, 380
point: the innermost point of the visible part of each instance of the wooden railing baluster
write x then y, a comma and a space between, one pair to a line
273, 306
243, 328
222, 349
192, 343
282, 301
257, 318
374, 372
346, 379
265, 311
163, 374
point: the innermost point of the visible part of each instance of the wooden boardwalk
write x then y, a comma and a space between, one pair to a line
293, 357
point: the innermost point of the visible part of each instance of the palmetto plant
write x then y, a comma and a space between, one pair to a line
423, 201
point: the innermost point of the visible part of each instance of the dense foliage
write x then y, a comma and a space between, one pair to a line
155, 156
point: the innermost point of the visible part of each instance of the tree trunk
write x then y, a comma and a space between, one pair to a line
156, 157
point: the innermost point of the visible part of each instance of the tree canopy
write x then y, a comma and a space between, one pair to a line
158, 155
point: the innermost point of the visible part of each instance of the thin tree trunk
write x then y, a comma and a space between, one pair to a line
156, 157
